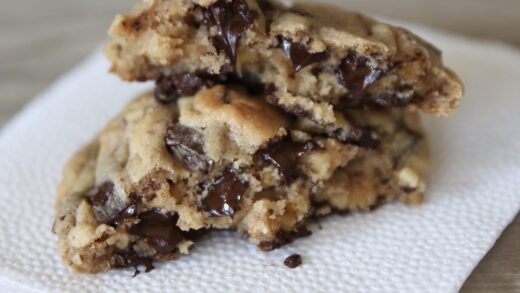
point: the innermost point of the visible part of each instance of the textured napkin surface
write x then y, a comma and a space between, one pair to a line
474, 193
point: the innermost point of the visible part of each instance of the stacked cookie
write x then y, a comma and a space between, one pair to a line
262, 117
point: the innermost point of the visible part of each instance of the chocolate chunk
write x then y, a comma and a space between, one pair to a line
231, 19
159, 231
169, 88
401, 96
191, 20
224, 195
103, 194
285, 154
299, 54
369, 138
356, 73
293, 261
409, 189
252, 83
188, 146
283, 238
105, 204
128, 213
365, 137
265, 5
130, 259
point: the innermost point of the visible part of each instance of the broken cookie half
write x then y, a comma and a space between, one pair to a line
310, 60
160, 175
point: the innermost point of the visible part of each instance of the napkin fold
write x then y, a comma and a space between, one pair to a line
474, 193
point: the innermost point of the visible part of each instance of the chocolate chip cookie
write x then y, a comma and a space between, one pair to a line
310, 60
161, 174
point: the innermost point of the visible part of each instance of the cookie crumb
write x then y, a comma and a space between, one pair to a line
293, 261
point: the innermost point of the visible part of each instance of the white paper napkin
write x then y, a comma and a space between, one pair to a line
474, 193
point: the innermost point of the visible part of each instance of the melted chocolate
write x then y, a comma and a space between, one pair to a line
285, 154
159, 231
188, 146
356, 73
293, 261
299, 54
231, 19
283, 238
224, 195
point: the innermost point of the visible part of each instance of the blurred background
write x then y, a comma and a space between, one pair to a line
40, 40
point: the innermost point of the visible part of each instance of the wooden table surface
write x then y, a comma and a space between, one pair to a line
39, 40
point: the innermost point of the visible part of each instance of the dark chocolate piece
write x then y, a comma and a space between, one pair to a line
191, 20
188, 146
224, 195
401, 96
283, 238
169, 88
356, 73
285, 154
299, 54
252, 83
293, 261
105, 204
409, 189
369, 138
159, 231
265, 5
128, 213
231, 19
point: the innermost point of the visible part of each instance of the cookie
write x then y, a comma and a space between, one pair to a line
160, 175
311, 60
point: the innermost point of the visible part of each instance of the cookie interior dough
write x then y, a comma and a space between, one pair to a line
311, 60
160, 175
